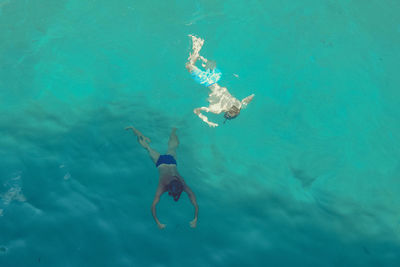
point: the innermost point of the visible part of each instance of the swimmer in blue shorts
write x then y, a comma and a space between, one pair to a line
169, 178
219, 98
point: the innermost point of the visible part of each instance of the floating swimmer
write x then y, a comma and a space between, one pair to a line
169, 179
219, 98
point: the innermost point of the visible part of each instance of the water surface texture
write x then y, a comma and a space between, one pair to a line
307, 175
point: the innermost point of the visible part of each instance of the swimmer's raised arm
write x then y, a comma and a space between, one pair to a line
192, 198
197, 111
245, 101
159, 192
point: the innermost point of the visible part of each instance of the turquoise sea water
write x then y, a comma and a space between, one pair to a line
307, 175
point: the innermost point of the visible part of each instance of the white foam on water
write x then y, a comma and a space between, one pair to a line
14, 192
67, 176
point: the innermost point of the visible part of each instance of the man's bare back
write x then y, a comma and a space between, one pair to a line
169, 178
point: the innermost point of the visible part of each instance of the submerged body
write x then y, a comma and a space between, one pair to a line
169, 178
220, 100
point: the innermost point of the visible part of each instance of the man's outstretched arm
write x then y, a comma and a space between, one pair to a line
245, 101
159, 192
197, 111
192, 198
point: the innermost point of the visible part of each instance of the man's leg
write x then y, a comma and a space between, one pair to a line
154, 155
197, 44
173, 143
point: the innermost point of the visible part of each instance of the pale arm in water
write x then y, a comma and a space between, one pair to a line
197, 111
245, 101
192, 198
159, 192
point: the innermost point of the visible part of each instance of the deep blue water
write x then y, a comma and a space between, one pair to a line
307, 175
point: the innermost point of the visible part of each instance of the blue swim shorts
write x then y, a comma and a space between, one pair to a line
165, 159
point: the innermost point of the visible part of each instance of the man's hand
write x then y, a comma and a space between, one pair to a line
197, 111
193, 223
211, 124
247, 100
161, 226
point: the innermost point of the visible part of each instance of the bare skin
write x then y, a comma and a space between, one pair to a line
219, 98
167, 173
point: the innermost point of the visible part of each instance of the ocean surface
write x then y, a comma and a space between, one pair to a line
307, 175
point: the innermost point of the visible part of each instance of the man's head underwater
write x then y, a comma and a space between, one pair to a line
232, 113
175, 188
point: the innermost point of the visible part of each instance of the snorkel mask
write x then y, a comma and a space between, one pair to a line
175, 188
232, 113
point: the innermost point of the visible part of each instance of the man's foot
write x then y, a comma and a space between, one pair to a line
143, 140
197, 44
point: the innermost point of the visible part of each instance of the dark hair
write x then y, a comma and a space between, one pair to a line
175, 188
232, 113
